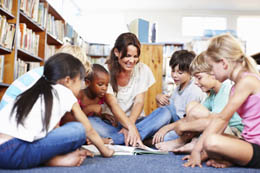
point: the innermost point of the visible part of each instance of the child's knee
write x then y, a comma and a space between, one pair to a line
211, 143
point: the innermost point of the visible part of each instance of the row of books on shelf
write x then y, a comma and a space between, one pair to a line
6, 4
100, 61
2, 58
29, 40
72, 37
25, 66
168, 49
96, 49
35, 10
55, 27
7, 33
49, 51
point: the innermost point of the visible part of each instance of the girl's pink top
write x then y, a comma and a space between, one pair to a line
249, 111
101, 101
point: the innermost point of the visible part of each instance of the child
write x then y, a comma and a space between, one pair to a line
92, 97
29, 78
27, 127
228, 61
185, 92
198, 115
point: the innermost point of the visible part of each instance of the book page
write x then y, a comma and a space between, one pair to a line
125, 150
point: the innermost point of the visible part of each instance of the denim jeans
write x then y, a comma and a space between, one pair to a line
172, 135
19, 154
146, 126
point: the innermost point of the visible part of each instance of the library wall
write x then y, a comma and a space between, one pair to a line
169, 22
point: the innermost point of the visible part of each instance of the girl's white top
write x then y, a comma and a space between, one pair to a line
32, 129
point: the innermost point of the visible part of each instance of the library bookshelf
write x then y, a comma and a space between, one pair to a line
37, 26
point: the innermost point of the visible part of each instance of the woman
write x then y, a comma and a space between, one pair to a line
130, 79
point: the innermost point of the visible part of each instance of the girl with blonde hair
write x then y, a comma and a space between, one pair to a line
228, 61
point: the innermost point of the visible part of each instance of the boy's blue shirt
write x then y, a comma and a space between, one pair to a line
216, 102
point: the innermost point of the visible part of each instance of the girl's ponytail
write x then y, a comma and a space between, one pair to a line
25, 101
56, 67
250, 64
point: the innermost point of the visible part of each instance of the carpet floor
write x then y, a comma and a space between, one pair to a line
133, 164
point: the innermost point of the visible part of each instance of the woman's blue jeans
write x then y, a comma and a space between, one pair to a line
146, 126
19, 154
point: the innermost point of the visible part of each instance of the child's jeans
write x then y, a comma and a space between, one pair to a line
146, 126
171, 135
19, 154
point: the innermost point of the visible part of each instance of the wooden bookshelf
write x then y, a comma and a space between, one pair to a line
4, 50
30, 53
30, 23
6, 13
27, 56
152, 55
52, 40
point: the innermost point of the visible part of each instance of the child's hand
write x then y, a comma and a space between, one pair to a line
193, 160
159, 136
107, 152
162, 99
132, 137
110, 118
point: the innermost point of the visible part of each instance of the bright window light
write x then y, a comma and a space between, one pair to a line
195, 26
248, 30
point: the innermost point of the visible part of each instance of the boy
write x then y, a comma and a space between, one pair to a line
185, 93
199, 115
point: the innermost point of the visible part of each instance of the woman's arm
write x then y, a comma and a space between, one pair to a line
137, 107
220, 121
91, 133
133, 136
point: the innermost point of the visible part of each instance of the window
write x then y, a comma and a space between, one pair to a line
195, 26
248, 30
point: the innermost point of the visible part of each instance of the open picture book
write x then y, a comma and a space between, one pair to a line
125, 150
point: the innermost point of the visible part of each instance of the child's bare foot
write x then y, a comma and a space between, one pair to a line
219, 163
74, 158
187, 148
169, 145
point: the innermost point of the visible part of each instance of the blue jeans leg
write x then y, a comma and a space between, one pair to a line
19, 154
153, 122
172, 135
172, 109
106, 130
